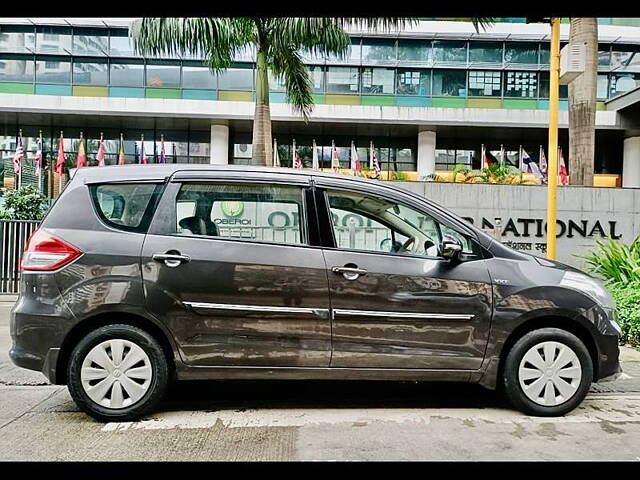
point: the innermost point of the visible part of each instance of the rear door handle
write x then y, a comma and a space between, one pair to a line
171, 259
350, 273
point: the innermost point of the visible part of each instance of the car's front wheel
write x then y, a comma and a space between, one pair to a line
117, 373
548, 372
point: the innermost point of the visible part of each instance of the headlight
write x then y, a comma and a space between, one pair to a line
589, 285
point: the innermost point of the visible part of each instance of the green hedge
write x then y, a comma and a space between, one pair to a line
627, 298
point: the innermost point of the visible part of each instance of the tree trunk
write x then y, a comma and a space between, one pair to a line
582, 105
262, 143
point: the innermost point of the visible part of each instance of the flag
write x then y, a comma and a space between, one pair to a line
564, 179
163, 157
315, 164
489, 159
543, 164
335, 161
19, 156
297, 161
121, 157
373, 161
356, 166
276, 157
38, 159
101, 152
81, 160
60, 161
143, 155
529, 166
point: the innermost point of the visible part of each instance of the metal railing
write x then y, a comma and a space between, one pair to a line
13, 238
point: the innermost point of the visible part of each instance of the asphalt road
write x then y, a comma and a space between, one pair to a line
295, 420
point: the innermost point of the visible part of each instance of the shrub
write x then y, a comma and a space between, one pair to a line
627, 298
614, 261
24, 204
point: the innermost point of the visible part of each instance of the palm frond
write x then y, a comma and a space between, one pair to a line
319, 36
288, 64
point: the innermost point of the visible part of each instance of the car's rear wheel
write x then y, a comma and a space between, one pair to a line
548, 372
117, 373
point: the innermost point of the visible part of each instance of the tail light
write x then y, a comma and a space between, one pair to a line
46, 253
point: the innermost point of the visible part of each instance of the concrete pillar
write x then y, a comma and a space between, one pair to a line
631, 163
219, 151
426, 153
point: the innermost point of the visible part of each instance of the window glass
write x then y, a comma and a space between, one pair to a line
520, 84
413, 82
16, 70
236, 79
270, 213
625, 58
450, 83
603, 84
317, 78
378, 80
413, 50
485, 52
53, 40
545, 53
604, 56
378, 50
342, 80
365, 222
449, 51
484, 83
120, 44
17, 39
353, 54
623, 82
521, 52
90, 41
544, 87
198, 77
90, 72
127, 73
163, 75
125, 205
53, 70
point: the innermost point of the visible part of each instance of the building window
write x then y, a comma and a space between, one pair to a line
163, 75
485, 52
90, 41
484, 83
53, 40
413, 51
603, 85
544, 87
378, 50
120, 45
521, 52
604, 56
17, 39
450, 83
236, 79
623, 82
414, 82
378, 80
317, 78
629, 59
198, 77
53, 71
276, 84
449, 51
447, 159
90, 72
353, 54
126, 73
521, 84
17, 70
342, 80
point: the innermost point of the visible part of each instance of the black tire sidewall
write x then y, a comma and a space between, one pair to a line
512, 363
159, 368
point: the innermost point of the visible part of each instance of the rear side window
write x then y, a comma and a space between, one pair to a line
126, 206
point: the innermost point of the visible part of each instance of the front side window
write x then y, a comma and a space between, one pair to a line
253, 212
126, 206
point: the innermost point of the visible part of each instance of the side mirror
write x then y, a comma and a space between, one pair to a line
450, 247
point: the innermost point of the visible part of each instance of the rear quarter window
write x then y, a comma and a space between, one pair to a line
126, 206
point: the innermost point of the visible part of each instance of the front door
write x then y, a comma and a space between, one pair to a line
396, 303
228, 267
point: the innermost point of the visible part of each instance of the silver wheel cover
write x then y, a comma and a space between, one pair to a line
549, 373
116, 373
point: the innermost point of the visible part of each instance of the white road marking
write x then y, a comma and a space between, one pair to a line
596, 408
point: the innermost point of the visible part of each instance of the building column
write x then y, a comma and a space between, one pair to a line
219, 150
631, 163
426, 153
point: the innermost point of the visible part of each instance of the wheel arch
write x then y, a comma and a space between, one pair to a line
110, 318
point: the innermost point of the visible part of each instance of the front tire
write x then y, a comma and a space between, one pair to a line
117, 373
547, 372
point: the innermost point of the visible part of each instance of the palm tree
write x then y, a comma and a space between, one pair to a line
582, 104
279, 43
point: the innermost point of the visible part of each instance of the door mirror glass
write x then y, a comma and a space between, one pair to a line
450, 247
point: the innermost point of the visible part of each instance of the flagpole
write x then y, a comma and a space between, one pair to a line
293, 154
61, 173
20, 169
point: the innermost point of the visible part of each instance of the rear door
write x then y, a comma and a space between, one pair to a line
230, 266
397, 303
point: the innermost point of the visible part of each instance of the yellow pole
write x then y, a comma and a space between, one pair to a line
552, 185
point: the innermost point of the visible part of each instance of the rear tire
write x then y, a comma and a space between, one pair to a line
117, 373
547, 372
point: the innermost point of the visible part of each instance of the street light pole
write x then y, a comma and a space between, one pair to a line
552, 172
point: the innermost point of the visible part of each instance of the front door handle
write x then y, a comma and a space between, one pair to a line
171, 259
350, 273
